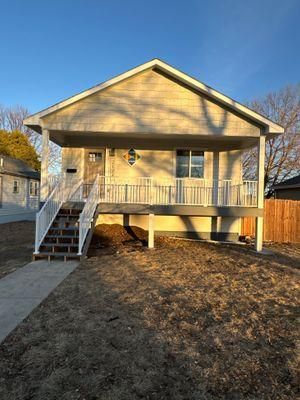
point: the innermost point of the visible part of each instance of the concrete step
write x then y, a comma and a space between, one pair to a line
56, 255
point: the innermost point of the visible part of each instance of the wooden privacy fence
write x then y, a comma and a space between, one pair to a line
281, 221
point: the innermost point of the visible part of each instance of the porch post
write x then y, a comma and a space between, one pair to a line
151, 231
260, 191
44, 166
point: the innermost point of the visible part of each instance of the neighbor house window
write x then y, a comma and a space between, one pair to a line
189, 164
33, 188
95, 157
16, 187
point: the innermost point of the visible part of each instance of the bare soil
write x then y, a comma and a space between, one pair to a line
16, 245
187, 320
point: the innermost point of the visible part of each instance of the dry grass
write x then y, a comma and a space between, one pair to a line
16, 245
187, 320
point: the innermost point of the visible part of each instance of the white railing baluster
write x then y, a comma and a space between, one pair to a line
185, 191
87, 214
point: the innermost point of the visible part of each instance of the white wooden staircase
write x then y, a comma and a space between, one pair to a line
64, 225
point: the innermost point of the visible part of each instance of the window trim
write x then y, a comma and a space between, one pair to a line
190, 150
35, 192
17, 186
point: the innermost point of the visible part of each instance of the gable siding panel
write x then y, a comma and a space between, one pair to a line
150, 103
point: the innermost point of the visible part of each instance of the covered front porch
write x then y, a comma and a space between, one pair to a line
97, 176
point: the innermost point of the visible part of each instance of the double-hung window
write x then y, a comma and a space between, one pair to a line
16, 186
189, 164
33, 188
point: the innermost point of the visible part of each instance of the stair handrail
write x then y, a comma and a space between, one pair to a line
87, 214
45, 217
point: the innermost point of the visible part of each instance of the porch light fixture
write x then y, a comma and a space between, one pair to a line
131, 157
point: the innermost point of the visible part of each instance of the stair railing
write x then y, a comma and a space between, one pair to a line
62, 192
87, 214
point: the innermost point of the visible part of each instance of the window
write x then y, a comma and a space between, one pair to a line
33, 188
16, 187
189, 164
95, 157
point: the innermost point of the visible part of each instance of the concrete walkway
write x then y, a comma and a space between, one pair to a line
25, 288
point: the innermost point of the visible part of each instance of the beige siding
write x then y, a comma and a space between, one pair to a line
152, 163
150, 103
223, 165
73, 158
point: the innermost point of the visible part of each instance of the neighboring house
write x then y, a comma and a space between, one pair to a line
19, 190
168, 152
288, 189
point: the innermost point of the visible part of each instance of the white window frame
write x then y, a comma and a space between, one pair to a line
190, 162
35, 186
95, 157
17, 187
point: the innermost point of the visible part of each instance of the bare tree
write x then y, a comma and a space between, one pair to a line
11, 119
282, 152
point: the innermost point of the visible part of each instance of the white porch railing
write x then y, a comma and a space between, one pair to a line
63, 191
178, 191
87, 214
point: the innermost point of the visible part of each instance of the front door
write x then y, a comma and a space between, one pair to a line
94, 164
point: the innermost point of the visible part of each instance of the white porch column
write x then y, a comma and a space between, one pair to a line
151, 231
44, 166
260, 191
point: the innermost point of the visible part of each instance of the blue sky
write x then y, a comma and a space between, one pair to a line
51, 50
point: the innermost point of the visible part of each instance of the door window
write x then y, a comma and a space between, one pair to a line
95, 157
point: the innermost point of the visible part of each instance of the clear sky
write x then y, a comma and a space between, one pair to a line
50, 50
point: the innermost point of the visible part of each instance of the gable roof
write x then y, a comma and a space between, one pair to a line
271, 127
16, 167
289, 183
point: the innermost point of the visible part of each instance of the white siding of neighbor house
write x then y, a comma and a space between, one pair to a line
150, 103
16, 206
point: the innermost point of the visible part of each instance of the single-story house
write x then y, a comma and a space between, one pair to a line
151, 147
19, 190
288, 189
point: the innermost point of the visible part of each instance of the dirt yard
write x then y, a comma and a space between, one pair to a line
16, 245
187, 320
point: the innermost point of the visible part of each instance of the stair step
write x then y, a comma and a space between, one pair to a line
47, 244
73, 205
70, 228
61, 237
68, 216
64, 224
56, 254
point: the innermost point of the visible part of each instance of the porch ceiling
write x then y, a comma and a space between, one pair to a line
151, 141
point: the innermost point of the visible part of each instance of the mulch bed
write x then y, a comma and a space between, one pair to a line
187, 320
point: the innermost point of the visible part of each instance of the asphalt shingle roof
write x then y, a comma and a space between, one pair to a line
18, 167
